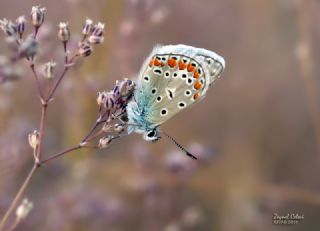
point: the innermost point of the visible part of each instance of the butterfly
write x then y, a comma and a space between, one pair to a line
172, 78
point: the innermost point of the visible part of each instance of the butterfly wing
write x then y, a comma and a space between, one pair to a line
173, 78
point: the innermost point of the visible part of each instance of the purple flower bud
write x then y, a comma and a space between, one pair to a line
64, 32
97, 34
98, 29
109, 101
20, 25
87, 28
126, 87
37, 15
85, 49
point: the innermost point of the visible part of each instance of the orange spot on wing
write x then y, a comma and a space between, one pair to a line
182, 65
197, 85
157, 62
196, 74
162, 64
196, 96
172, 63
190, 68
151, 63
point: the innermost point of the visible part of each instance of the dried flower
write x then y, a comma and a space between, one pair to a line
101, 99
126, 87
87, 28
20, 25
28, 48
97, 34
85, 49
104, 142
109, 101
118, 128
48, 70
64, 32
37, 15
24, 209
8, 27
34, 139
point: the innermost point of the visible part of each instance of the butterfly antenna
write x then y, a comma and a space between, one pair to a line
180, 146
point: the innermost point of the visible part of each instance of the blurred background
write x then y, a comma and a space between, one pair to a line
258, 129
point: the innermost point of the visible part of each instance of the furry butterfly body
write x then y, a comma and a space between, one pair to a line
172, 78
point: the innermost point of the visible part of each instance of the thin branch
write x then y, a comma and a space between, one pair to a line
61, 154
44, 109
57, 83
35, 75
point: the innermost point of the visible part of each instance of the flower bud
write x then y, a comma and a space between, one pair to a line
34, 139
110, 101
48, 70
20, 25
24, 209
126, 87
85, 49
64, 32
28, 48
95, 39
8, 27
102, 96
97, 34
87, 28
118, 128
104, 142
98, 29
37, 15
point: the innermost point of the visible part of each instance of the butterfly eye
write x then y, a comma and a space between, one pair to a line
164, 112
181, 104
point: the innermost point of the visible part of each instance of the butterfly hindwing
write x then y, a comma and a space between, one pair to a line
173, 78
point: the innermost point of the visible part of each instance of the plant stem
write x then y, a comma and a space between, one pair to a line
60, 154
44, 109
57, 83
37, 81
18, 196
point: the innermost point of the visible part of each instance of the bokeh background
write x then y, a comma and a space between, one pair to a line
258, 128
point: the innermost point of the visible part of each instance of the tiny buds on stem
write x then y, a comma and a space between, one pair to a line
20, 25
104, 142
34, 139
24, 209
84, 49
64, 32
28, 48
37, 15
87, 28
8, 27
106, 127
48, 70
97, 34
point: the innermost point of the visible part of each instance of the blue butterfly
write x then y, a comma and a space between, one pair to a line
172, 78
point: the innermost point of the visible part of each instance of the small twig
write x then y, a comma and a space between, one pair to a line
14, 225
61, 154
44, 109
37, 81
